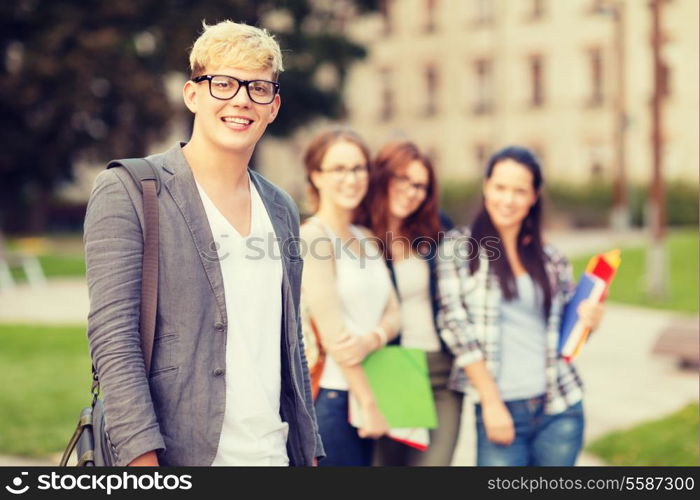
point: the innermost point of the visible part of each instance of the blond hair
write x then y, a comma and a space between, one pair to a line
236, 45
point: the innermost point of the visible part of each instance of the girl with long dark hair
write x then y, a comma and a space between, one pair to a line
502, 294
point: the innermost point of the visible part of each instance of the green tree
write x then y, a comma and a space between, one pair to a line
85, 79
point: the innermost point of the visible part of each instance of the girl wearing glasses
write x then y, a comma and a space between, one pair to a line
401, 208
347, 292
502, 293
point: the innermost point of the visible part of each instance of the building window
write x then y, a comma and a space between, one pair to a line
536, 81
483, 99
482, 152
483, 12
430, 14
595, 63
385, 7
387, 95
537, 10
431, 84
597, 171
596, 164
596, 6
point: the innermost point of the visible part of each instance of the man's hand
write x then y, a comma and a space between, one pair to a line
148, 459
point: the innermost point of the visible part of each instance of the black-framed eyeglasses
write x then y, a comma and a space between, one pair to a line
224, 87
404, 183
340, 173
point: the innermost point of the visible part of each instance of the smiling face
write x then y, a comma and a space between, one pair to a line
236, 125
509, 194
341, 181
407, 189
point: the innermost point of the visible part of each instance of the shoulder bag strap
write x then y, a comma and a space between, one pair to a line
146, 177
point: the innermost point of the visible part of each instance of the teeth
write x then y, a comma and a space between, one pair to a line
241, 121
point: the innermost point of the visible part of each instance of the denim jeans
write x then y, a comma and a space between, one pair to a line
540, 439
342, 444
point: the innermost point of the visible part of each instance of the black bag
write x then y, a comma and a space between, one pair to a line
90, 439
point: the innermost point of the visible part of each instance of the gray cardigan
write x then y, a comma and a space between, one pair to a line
179, 408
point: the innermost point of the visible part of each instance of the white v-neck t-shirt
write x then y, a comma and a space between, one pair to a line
253, 432
417, 325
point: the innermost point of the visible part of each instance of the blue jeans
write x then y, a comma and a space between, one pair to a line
540, 439
342, 444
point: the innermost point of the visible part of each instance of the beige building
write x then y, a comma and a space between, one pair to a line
465, 77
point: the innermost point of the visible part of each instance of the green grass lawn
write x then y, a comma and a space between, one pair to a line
56, 266
671, 441
63, 265
60, 255
45, 372
629, 286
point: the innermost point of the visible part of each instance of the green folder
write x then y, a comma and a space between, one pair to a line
400, 382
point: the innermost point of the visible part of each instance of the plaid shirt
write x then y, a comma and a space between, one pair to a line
469, 324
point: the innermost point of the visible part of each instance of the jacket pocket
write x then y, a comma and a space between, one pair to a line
165, 354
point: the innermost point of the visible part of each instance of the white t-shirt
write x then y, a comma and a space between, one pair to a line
253, 432
413, 281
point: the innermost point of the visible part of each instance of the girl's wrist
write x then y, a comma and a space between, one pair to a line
381, 335
368, 403
490, 396
370, 343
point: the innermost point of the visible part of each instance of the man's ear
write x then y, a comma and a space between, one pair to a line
189, 95
275, 108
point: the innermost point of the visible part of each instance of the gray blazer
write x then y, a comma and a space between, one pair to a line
179, 408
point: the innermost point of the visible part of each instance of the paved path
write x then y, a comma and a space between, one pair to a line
7, 461
60, 301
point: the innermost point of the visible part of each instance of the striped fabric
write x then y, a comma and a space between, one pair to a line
469, 313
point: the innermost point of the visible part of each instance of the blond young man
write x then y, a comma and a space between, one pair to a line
228, 383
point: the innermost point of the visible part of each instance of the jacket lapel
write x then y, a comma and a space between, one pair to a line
275, 209
279, 216
183, 189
